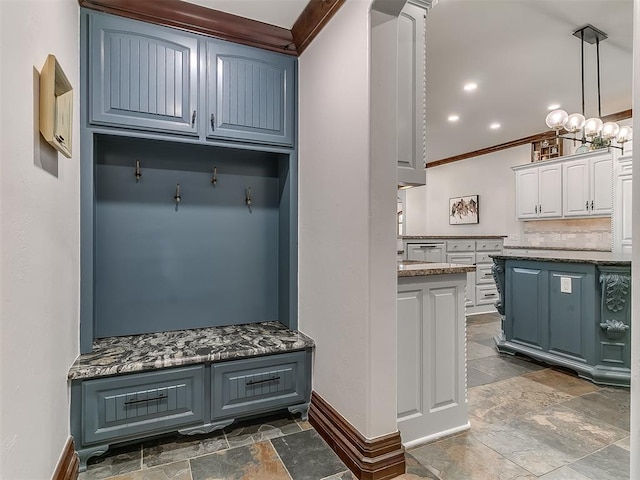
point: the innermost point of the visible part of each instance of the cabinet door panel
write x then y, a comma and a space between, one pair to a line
602, 185
527, 193
625, 216
576, 188
250, 94
527, 306
411, 95
142, 75
571, 305
550, 191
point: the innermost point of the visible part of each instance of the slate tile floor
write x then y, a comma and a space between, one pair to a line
527, 422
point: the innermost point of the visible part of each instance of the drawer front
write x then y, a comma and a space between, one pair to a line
488, 245
484, 274
460, 246
486, 295
249, 386
484, 257
130, 405
462, 258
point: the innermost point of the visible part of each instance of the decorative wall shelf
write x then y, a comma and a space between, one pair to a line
56, 106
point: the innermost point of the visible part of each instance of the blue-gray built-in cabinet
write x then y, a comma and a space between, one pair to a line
189, 224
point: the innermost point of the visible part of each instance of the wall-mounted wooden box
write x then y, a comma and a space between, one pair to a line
56, 106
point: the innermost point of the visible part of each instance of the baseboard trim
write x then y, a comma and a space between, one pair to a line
381, 458
436, 436
69, 463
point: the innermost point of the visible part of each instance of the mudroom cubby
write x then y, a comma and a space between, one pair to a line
188, 236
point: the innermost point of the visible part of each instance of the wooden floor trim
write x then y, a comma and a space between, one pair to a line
379, 459
69, 463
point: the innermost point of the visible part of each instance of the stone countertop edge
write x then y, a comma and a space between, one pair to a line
154, 351
427, 269
455, 237
563, 249
594, 258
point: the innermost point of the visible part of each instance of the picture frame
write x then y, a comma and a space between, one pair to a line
464, 210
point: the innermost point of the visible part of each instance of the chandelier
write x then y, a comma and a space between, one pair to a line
594, 131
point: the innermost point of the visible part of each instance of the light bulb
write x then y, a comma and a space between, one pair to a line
592, 127
624, 135
556, 119
574, 123
610, 130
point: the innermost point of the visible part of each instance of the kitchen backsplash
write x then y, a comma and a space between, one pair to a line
568, 233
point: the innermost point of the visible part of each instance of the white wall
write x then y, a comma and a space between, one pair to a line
39, 242
347, 285
489, 176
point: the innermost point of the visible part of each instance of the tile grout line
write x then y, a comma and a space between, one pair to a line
280, 459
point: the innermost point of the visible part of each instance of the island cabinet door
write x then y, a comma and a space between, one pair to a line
527, 306
572, 307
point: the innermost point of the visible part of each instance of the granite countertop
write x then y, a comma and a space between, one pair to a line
563, 249
152, 351
455, 237
594, 258
413, 268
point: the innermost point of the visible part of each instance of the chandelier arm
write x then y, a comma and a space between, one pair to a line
598, 63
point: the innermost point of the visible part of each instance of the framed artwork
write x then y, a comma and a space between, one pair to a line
464, 210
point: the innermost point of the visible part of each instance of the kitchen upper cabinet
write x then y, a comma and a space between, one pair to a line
411, 81
250, 94
588, 186
538, 192
142, 76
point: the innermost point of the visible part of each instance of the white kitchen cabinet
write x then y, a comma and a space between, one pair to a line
587, 185
431, 357
538, 191
621, 214
411, 81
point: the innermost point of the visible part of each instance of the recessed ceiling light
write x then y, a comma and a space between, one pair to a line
554, 106
494, 126
453, 118
470, 86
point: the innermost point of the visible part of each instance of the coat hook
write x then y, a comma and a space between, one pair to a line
177, 196
214, 178
247, 198
138, 173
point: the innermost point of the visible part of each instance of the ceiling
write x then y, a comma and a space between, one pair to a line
282, 13
521, 53
523, 56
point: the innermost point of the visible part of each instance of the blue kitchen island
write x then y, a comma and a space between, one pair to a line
571, 309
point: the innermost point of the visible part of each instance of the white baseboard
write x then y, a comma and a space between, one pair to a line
430, 438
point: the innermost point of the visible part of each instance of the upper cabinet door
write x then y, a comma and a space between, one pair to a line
527, 193
601, 186
576, 188
550, 191
250, 94
143, 76
411, 78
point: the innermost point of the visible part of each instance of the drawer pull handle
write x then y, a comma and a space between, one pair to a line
488, 274
143, 400
256, 382
491, 295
